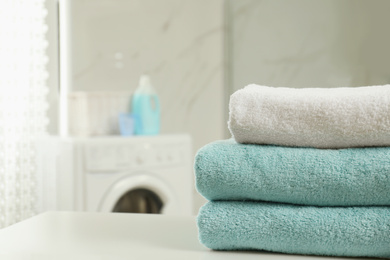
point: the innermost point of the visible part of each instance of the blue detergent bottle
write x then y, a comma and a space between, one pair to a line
146, 108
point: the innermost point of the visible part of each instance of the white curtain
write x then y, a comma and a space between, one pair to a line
23, 105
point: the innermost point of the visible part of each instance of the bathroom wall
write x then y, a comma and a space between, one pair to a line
305, 43
297, 43
179, 43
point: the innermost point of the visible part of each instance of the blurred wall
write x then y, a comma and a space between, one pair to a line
306, 43
179, 43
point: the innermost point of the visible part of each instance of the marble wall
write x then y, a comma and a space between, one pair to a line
179, 43
305, 43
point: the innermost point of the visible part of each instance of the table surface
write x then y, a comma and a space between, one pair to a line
114, 236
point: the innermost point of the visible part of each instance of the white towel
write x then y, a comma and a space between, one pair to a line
312, 117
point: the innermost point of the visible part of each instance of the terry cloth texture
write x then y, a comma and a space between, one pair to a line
314, 117
335, 231
226, 170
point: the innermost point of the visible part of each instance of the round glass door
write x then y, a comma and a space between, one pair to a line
139, 201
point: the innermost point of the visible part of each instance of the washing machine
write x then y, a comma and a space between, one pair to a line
139, 174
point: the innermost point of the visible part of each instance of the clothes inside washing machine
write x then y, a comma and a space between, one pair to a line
139, 201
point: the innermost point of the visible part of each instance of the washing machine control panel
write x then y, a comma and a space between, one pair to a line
116, 156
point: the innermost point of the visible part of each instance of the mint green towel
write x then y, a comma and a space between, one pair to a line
226, 170
334, 231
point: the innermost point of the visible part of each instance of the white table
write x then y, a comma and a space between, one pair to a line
114, 236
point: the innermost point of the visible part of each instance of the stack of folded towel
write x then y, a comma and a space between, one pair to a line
307, 173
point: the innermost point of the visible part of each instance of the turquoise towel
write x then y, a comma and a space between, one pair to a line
226, 170
334, 231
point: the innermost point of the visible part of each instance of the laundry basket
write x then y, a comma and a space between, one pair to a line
96, 113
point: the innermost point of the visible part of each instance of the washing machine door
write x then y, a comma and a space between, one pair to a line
140, 194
